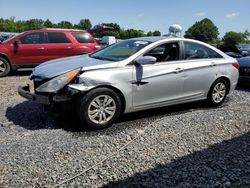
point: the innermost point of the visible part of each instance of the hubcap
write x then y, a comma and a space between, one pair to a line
2, 67
101, 109
219, 92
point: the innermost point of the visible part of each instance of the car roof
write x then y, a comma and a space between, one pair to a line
155, 38
56, 30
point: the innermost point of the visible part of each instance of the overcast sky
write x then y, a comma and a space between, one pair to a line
228, 15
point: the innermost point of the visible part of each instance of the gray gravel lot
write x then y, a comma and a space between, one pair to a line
182, 146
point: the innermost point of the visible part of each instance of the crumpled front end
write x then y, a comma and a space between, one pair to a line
49, 91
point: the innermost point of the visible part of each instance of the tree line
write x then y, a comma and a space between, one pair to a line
204, 30
11, 25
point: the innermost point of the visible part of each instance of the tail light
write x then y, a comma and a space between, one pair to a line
236, 65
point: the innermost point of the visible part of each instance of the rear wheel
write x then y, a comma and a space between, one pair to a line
4, 67
218, 92
99, 108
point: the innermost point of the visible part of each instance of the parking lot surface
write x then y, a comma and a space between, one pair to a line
180, 146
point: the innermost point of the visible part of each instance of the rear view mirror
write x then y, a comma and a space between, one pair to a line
17, 43
145, 60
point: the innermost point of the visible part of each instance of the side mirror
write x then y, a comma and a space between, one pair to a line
17, 43
146, 60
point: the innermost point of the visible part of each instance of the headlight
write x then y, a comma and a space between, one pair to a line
58, 82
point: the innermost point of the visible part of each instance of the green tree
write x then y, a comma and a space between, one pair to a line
247, 34
123, 34
33, 24
3, 25
232, 38
84, 24
65, 25
116, 34
156, 33
48, 24
20, 26
203, 30
9, 25
149, 34
132, 33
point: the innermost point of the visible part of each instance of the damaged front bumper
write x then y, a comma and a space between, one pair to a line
24, 91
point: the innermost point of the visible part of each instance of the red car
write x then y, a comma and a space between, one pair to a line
31, 48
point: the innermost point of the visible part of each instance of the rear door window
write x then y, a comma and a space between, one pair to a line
198, 51
57, 38
83, 38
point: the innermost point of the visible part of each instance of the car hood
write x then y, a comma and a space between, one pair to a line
244, 61
57, 67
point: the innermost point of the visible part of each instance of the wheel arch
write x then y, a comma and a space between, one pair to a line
116, 90
5, 57
226, 80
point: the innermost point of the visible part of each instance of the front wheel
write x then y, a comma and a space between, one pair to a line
99, 108
218, 92
4, 67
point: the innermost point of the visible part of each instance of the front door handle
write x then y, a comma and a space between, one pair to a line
138, 82
40, 48
212, 64
178, 70
68, 47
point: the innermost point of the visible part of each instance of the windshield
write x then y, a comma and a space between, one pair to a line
7, 40
121, 50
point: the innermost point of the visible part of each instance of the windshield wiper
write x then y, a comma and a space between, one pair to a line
97, 57
102, 58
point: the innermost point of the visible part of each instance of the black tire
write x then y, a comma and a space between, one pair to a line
217, 92
89, 110
4, 67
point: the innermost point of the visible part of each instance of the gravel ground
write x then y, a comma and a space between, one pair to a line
181, 146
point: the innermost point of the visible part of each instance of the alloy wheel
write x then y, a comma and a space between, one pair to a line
102, 109
2, 67
219, 92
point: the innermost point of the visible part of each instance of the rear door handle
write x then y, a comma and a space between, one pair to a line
68, 47
40, 48
178, 70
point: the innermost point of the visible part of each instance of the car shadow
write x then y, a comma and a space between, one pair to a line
225, 164
243, 86
20, 73
168, 110
31, 116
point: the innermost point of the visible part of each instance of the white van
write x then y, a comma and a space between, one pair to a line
108, 40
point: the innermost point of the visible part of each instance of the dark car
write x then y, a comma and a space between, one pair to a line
32, 48
244, 49
244, 70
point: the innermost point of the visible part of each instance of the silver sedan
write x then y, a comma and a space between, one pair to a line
133, 75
